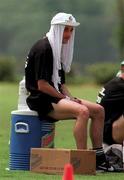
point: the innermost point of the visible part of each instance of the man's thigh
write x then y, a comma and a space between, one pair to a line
118, 129
93, 108
65, 109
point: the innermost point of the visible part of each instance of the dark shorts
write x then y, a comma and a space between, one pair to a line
43, 105
113, 110
107, 135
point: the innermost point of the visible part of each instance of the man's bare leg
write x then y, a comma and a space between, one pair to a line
118, 130
97, 122
66, 109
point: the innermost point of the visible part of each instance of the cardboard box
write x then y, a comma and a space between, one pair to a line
52, 161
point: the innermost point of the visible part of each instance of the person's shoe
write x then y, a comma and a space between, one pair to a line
104, 167
102, 164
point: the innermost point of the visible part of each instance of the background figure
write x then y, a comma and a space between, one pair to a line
47, 62
121, 69
111, 97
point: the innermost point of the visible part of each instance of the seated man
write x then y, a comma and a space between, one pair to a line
111, 97
47, 62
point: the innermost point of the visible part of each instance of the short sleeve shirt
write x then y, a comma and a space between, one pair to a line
111, 97
39, 65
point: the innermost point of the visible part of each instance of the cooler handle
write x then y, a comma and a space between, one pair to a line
21, 127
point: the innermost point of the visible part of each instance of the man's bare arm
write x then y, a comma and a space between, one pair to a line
45, 87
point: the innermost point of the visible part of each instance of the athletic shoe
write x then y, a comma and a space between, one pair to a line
102, 165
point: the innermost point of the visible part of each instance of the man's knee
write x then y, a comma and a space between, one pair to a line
100, 111
100, 108
83, 112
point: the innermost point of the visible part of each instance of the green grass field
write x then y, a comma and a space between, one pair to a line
63, 138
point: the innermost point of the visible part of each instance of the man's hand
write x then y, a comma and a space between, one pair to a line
74, 99
77, 100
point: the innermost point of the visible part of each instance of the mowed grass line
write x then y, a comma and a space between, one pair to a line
63, 139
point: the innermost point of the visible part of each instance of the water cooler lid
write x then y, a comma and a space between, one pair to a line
25, 112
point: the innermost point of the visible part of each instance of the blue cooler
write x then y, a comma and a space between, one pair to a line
27, 132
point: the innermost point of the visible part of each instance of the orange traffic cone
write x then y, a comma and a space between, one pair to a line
68, 172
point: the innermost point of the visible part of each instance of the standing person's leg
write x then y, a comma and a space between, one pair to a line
66, 109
